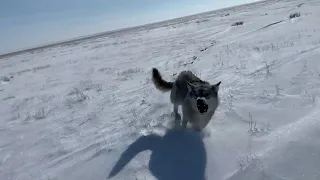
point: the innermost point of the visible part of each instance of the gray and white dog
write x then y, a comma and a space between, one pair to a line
199, 99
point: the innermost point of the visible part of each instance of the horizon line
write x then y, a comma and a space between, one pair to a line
121, 30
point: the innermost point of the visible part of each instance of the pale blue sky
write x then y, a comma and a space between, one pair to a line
29, 23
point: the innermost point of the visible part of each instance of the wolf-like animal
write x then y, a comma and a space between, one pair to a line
199, 99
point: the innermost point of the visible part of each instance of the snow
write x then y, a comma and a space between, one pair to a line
88, 110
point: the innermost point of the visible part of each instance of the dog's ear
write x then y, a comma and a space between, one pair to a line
215, 87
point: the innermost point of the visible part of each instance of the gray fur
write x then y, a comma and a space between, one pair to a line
186, 90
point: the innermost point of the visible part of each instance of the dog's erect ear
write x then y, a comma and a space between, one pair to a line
215, 87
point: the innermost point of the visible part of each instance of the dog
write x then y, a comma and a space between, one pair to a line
199, 99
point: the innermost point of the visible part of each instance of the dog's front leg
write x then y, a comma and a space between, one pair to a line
175, 112
185, 117
184, 121
176, 115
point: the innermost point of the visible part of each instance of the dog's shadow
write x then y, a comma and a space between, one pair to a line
178, 155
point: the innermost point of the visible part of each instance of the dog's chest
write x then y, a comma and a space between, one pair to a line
196, 117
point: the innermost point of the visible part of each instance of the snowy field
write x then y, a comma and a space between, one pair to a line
88, 110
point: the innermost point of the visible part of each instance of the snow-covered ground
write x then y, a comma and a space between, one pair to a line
88, 110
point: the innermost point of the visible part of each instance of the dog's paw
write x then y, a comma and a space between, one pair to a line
176, 116
184, 125
177, 124
197, 129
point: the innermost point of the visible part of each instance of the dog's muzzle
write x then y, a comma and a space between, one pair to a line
202, 105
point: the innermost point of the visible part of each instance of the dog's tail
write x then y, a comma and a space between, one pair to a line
160, 84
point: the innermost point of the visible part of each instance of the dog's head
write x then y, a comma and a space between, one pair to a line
203, 96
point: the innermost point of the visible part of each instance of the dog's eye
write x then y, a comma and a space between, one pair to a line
215, 94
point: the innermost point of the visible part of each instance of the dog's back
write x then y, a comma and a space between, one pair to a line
188, 76
180, 88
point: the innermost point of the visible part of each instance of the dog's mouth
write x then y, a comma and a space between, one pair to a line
202, 108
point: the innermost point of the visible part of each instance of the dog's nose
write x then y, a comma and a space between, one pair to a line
201, 102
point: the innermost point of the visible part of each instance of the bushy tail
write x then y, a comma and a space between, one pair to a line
160, 84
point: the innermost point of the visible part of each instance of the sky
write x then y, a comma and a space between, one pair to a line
30, 23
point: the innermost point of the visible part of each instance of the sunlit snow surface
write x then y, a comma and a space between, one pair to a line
88, 110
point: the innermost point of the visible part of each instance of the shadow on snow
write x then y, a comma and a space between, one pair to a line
175, 156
